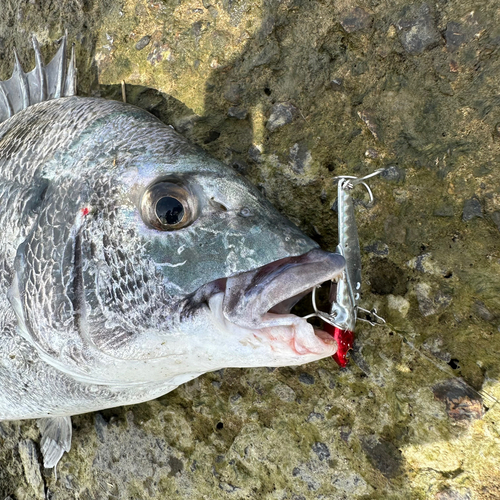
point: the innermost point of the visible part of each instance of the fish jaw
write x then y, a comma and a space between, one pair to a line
250, 333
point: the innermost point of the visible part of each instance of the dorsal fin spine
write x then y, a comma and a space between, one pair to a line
70, 88
40, 68
21, 78
44, 82
5, 99
61, 69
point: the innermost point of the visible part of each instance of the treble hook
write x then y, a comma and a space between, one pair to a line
328, 318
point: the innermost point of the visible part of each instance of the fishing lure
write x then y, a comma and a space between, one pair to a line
345, 291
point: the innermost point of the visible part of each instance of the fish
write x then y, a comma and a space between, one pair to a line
130, 260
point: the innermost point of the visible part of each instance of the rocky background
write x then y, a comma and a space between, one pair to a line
292, 93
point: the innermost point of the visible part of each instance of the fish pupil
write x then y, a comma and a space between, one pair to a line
169, 210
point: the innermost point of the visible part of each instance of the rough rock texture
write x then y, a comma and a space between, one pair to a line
410, 86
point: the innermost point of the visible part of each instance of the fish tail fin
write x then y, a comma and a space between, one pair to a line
52, 81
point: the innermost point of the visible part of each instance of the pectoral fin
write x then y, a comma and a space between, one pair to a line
56, 439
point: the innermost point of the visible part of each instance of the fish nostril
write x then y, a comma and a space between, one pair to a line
245, 212
218, 205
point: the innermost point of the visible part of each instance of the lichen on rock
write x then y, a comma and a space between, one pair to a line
292, 94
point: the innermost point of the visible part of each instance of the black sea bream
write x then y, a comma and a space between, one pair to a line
130, 260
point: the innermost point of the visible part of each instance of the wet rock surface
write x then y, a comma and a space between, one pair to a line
293, 94
462, 402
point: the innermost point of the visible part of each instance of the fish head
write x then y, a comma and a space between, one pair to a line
168, 265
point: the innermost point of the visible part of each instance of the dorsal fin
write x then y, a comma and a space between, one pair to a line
43, 83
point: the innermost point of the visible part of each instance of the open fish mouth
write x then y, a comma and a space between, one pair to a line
256, 304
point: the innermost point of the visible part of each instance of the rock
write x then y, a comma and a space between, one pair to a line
368, 117
321, 450
356, 20
29, 459
233, 92
306, 378
235, 112
495, 216
281, 114
429, 302
393, 174
378, 248
454, 36
482, 311
417, 30
399, 304
452, 495
143, 42
472, 208
300, 158
383, 455
337, 84
462, 402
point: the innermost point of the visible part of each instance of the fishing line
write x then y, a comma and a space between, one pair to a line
481, 393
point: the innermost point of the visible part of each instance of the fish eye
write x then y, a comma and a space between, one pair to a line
167, 206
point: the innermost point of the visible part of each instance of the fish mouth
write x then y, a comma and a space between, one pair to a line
257, 304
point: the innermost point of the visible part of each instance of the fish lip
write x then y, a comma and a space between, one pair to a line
250, 296
252, 300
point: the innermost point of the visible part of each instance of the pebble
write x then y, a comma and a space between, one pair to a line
472, 209
357, 20
255, 153
321, 450
393, 174
300, 158
235, 112
281, 114
417, 30
371, 122
371, 153
315, 417
398, 303
306, 378
430, 303
337, 84
284, 392
345, 432
143, 42
377, 248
